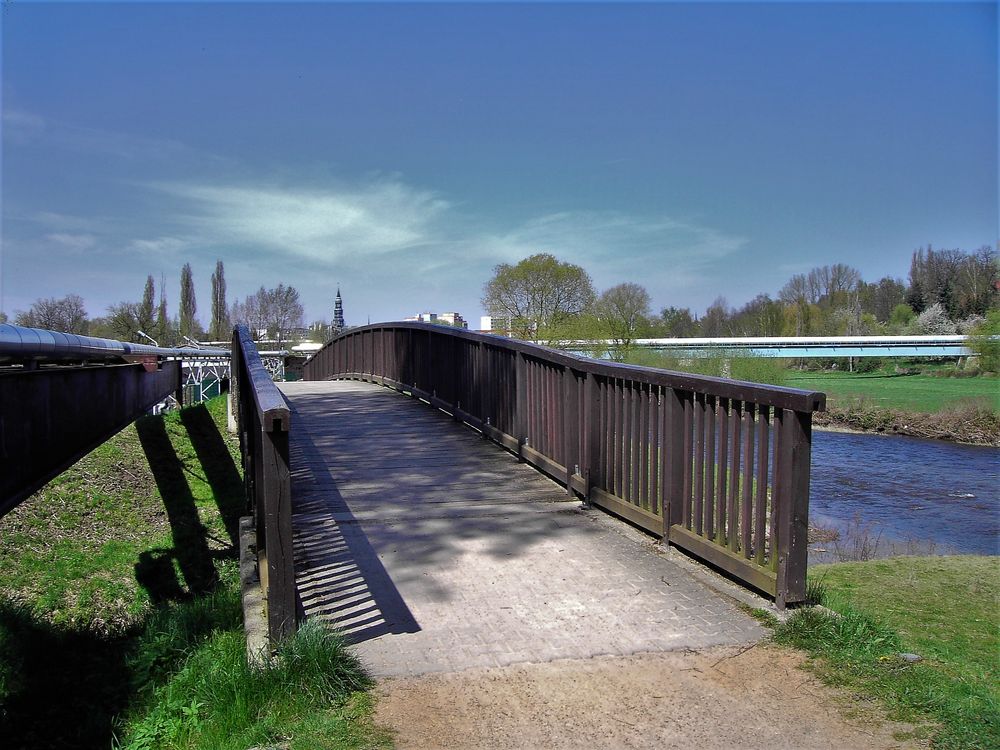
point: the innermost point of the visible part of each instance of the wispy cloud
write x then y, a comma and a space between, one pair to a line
24, 128
73, 242
325, 225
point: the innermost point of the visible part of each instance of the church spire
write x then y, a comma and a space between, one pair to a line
338, 314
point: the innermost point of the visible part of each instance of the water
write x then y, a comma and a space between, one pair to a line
913, 496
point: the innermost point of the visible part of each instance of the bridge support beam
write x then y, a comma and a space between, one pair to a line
50, 417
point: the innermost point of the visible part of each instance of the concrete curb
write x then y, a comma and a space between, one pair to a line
254, 621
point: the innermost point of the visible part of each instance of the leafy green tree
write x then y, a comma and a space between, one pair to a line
188, 305
219, 330
537, 295
624, 311
147, 307
985, 342
677, 323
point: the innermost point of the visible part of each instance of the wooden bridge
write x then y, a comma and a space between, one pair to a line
458, 443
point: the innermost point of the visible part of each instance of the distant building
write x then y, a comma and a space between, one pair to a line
338, 324
449, 318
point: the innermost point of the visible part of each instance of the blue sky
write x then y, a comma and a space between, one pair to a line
403, 151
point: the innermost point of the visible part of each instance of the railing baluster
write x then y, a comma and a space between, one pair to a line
688, 457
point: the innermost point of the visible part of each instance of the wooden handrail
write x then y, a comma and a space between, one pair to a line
718, 467
263, 420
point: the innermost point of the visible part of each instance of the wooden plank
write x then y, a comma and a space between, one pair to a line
712, 406
722, 469
746, 504
732, 511
760, 490
755, 575
642, 518
698, 518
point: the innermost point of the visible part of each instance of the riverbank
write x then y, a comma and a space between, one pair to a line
890, 638
120, 615
968, 423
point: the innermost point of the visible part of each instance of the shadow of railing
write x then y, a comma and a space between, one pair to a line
339, 576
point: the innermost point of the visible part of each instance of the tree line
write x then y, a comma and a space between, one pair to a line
274, 314
948, 291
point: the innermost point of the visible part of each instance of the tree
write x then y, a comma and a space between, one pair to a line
934, 321
188, 306
537, 294
624, 310
163, 333
122, 321
274, 313
716, 317
66, 315
147, 307
985, 342
220, 313
677, 322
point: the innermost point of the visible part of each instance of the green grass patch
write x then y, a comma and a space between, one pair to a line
946, 609
120, 617
916, 393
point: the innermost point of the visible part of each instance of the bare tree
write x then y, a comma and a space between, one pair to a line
274, 313
537, 294
624, 311
122, 321
67, 314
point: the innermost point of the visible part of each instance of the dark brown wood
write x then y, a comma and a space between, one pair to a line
644, 443
697, 512
722, 469
732, 516
760, 487
712, 406
746, 503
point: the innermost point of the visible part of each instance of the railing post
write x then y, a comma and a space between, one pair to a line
672, 463
278, 523
570, 425
792, 506
520, 402
592, 437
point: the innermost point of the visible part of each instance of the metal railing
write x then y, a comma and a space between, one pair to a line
263, 421
718, 467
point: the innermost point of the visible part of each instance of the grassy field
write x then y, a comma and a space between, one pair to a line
945, 609
918, 393
120, 617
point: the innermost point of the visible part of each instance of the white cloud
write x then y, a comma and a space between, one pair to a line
74, 242
159, 245
323, 225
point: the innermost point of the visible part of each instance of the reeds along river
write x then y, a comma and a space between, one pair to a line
912, 496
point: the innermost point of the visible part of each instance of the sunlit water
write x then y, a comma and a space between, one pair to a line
909, 495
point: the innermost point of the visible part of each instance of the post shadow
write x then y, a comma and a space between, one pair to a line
189, 534
220, 469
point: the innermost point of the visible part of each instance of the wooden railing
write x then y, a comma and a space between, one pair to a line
718, 467
263, 421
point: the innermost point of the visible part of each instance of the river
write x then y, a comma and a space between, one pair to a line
910, 496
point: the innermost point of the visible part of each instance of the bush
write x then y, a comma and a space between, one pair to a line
984, 342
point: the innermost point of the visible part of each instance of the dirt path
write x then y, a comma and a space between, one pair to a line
719, 697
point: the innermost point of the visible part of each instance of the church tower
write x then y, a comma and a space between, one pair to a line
338, 314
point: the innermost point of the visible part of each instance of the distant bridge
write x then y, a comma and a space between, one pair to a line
799, 347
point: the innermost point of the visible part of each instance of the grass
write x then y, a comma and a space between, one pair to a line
120, 617
916, 393
946, 609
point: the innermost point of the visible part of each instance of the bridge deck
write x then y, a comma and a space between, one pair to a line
437, 551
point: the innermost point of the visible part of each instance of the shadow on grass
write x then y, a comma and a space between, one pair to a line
58, 687
220, 469
63, 686
190, 536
